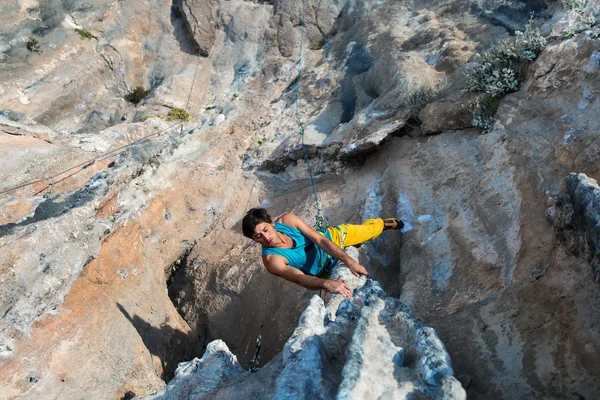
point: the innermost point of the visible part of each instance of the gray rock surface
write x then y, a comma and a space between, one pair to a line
89, 271
199, 16
368, 346
576, 217
443, 116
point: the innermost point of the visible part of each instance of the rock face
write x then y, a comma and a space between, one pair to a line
441, 116
115, 270
576, 218
368, 346
199, 16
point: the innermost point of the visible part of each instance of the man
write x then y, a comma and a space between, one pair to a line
293, 250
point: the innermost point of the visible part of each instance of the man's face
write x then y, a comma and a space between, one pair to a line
265, 234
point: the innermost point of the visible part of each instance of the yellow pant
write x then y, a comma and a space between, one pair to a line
356, 234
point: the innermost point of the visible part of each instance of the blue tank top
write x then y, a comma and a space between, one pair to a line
303, 255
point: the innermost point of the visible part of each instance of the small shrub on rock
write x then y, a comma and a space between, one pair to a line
568, 33
530, 41
147, 117
137, 95
33, 45
576, 5
493, 74
498, 72
483, 114
84, 33
589, 19
178, 113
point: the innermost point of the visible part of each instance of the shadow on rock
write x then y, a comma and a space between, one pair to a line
184, 37
170, 345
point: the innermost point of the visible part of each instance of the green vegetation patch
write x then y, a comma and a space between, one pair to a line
33, 45
178, 113
137, 95
568, 33
576, 5
483, 113
499, 71
147, 117
84, 33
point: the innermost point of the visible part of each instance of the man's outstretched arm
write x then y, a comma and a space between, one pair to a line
327, 245
276, 266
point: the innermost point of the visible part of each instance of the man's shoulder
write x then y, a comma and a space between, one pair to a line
287, 219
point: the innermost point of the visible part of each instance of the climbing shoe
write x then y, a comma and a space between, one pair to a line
392, 223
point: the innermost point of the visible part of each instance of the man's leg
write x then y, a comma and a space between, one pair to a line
356, 234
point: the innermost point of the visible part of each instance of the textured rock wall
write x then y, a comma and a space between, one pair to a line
83, 272
199, 16
576, 218
368, 346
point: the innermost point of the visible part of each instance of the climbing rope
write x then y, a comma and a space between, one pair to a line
320, 222
88, 163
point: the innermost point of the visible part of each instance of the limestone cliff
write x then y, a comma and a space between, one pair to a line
370, 346
128, 259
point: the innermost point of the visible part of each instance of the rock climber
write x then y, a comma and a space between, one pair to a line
293, 250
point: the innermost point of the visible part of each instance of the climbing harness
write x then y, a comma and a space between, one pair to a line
332, 262
320, 222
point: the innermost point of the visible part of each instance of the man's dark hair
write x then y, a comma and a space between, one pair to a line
254, 217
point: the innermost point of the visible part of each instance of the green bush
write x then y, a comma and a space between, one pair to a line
589, 19
576, 5
493, 74
319, 44
568, 33
85, 34
137, 95
595, 34
33, 45
530, 40
178, 113
498, 72
483, 113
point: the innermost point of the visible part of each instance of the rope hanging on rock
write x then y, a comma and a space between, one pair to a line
320, 222
111, 153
